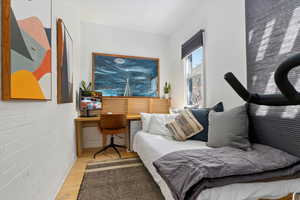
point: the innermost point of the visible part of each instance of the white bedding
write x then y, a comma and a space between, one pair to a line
151, 147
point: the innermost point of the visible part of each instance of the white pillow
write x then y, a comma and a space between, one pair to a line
145, 117
157, 125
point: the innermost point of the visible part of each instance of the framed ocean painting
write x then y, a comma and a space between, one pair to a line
26, 49
64, 64
119, 75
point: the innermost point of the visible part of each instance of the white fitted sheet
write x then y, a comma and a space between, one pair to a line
151, 147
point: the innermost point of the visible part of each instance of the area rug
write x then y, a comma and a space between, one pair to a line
124, 179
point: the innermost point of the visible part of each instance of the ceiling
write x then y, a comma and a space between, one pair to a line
153, 16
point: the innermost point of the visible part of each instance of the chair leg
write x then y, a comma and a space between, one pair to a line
101, 150
114, 146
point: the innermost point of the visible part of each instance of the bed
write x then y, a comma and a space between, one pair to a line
151, 147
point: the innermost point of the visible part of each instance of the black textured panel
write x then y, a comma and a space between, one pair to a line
278, 132
273, 34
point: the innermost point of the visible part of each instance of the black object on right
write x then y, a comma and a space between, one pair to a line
282, 80
289, 96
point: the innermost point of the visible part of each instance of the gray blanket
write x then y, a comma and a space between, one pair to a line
189, 172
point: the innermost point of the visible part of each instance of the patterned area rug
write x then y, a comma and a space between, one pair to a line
124, 179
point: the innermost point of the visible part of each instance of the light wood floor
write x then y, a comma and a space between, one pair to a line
71, 186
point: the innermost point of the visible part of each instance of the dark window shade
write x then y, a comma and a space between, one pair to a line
192, 44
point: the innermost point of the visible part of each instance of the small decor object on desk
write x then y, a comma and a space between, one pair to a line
90, 103
167, 90
89, 99
86, 89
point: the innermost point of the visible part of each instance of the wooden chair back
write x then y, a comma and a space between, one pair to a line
113, 121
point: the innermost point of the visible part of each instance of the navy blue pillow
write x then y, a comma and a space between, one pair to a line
201, 115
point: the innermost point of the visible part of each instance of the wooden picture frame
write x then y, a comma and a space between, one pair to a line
32, 80
5, 54
64, 64
95, 54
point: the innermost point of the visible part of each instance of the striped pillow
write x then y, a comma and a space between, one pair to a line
184, 126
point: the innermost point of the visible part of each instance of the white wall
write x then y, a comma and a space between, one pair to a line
37, 145
224, 23
106, 39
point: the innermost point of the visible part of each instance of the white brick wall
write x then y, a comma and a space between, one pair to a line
37, 145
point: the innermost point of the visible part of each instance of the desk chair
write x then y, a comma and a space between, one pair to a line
112, 124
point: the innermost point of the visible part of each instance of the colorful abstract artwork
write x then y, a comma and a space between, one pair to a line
117, 75
28, 58
64, 64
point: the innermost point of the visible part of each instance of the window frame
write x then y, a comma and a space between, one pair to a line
185, 68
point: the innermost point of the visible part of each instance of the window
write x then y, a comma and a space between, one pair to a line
194, 78
192, 55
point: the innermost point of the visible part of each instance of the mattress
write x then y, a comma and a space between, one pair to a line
151, 147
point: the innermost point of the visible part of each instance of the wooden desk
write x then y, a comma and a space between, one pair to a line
82, 122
